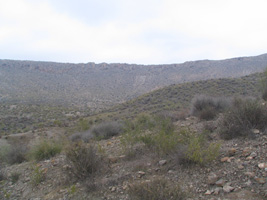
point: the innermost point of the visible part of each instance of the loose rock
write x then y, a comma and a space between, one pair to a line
162, 162
212, 178
260, 180
228, 188
220, 183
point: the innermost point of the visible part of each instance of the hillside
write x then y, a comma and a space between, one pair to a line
19, 117
100, 85
179, 96
59, 155
237, 173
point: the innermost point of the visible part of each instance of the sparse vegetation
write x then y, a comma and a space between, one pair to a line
155, 128
82, 136
100, 131
84, 160
200, 152
15, 177
182, 114
15, 153
243, 116
263, 84
178, 97
106, 130
160, 137
194, 148
18, 118
2, 177
45, 149
83, 125
157, 189
207, 108
38, 175
153, 132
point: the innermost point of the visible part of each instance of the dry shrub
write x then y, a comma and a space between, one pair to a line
81, 136
174, 115
157, 189
209, 126
207, 108
17, 153
84, 160
242, 117
107, 130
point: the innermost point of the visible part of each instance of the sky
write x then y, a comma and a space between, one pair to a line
132, 31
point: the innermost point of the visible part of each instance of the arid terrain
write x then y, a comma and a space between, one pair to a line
203, 137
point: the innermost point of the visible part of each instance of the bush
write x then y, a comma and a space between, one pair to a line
242, 117
207, 108
45, 150
38, 175
198, 151
82, 136
194, 148
107, 130
154, 133
174, 115
16, 153
83, 125
189, 147
263, 84
83, 159
157, 189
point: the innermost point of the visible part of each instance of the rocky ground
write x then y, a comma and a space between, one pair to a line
240, 172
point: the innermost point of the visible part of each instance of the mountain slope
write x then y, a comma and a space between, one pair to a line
175, 97
100, 85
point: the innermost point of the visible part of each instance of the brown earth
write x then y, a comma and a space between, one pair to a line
238, 173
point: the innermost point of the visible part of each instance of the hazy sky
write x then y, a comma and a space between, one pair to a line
131, 31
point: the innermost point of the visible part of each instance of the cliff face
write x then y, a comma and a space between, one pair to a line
106, 84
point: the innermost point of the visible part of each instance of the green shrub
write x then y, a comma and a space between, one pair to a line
157, 189
144, 122
38, 175
154, 133
45, 150
243, 116
83, 159
207, 108
106, 130
198, 151
194, 148
190, 147
83, 125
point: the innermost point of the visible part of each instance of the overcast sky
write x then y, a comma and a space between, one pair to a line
131, 31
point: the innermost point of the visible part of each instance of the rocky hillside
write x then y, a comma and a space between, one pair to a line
239, 172
99, 85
